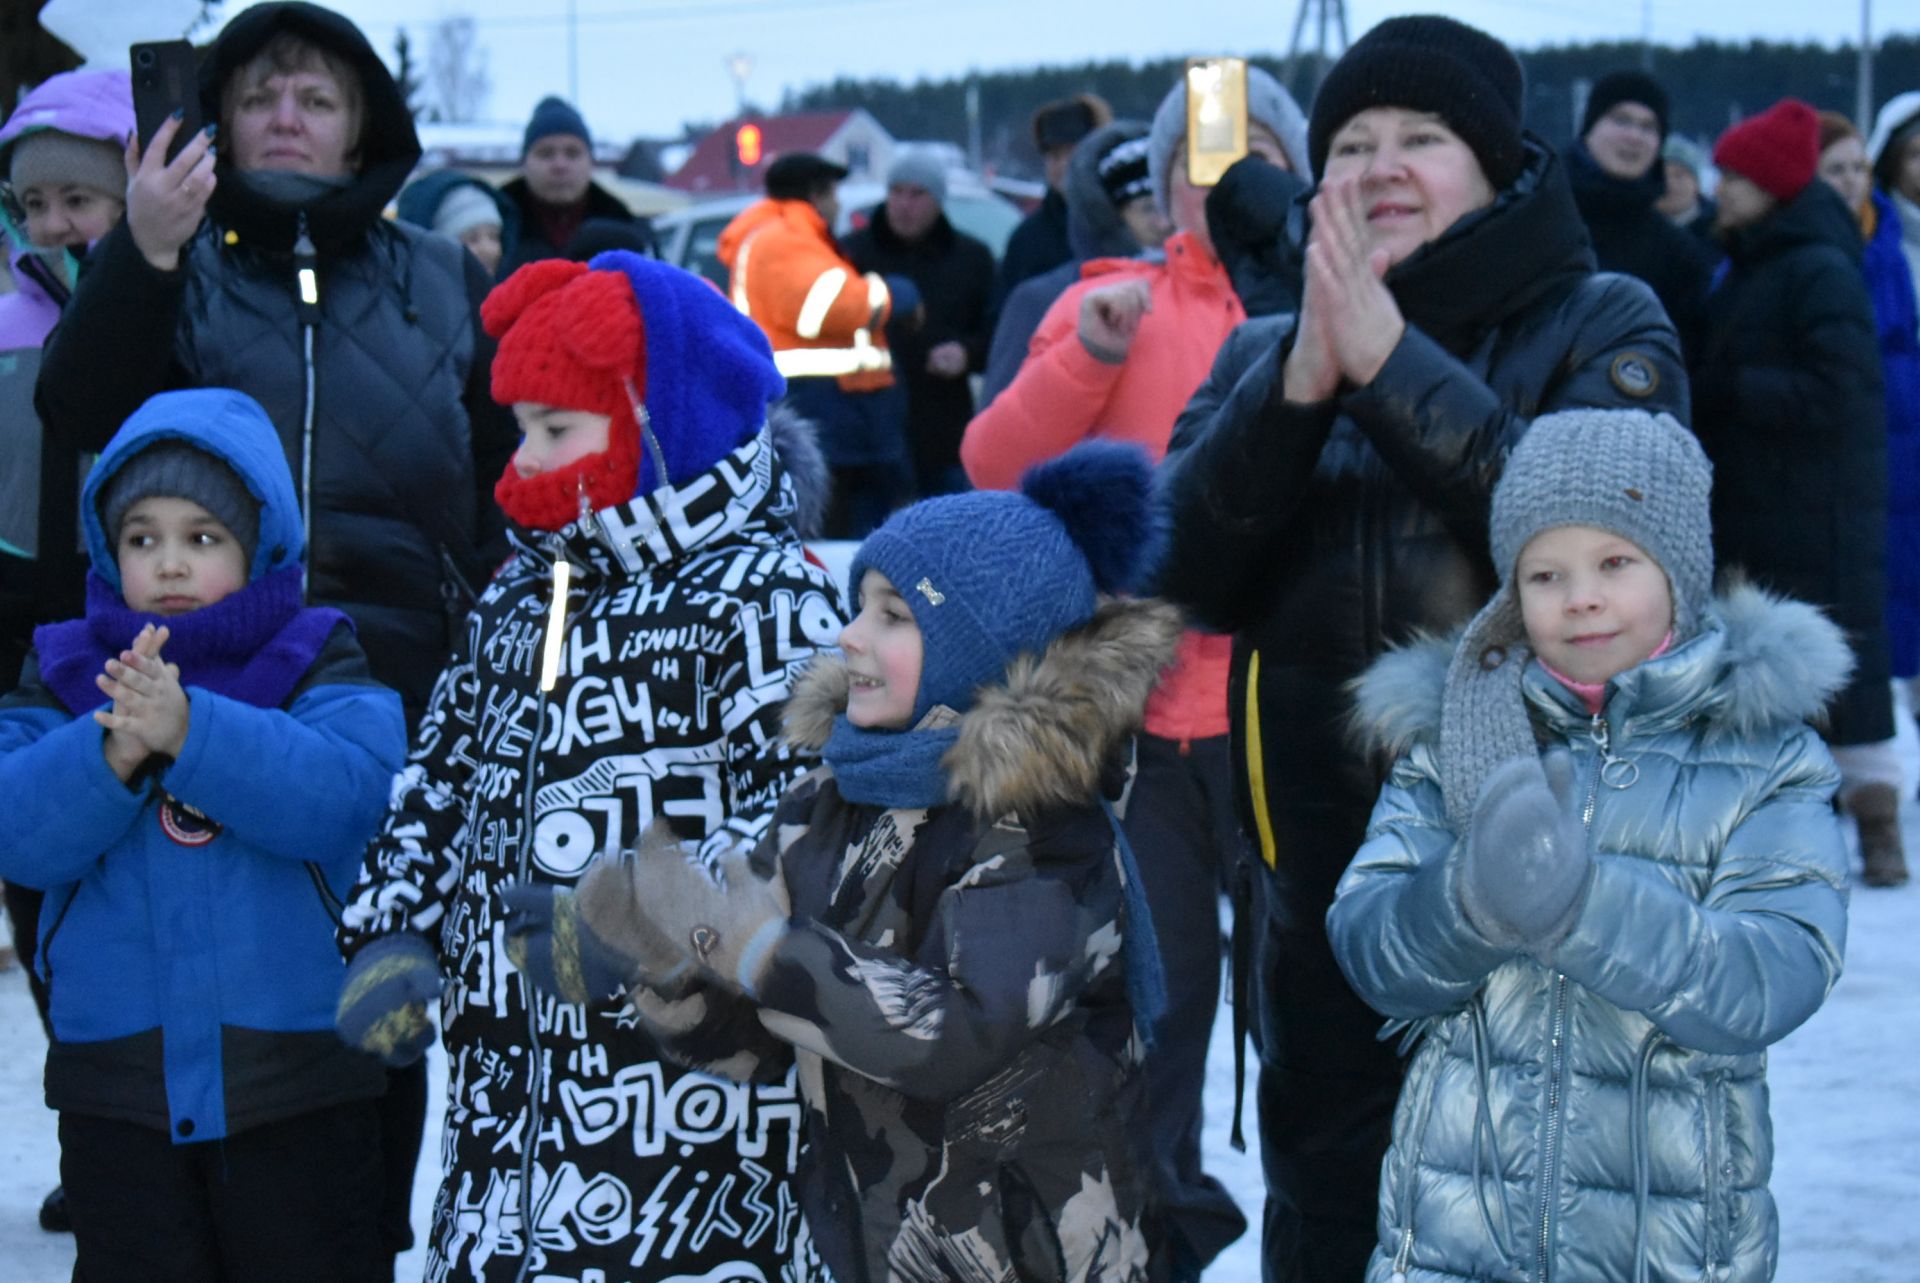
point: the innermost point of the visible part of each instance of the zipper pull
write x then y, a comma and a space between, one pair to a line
556, 624
1403, 1257
306, 267
588, 526
1615, 772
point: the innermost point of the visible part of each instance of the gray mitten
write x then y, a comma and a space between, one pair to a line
730, 925
1525, 866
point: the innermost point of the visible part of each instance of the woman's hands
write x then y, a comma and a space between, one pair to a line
166, 201
1349, 323
150, 709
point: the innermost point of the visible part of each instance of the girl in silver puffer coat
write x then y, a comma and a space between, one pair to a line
1604, 876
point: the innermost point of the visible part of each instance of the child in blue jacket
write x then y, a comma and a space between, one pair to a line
193, 769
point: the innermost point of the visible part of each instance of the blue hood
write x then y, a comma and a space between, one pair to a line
228, 425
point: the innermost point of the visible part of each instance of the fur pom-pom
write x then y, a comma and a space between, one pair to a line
507, 300
1102, 492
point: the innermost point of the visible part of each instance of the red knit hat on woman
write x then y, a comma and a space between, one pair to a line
1777, 151
570, 338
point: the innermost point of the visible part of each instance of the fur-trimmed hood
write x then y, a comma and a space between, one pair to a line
1760, 660
1044, 734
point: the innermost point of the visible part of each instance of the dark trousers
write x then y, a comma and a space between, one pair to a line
23, 919
1327, 1083
293, 1201
403, 1120
863, 497
1181, 824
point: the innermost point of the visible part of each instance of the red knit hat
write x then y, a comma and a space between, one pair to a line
1777, 151
570, 338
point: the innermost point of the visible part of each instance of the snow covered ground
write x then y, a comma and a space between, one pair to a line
1846, 1108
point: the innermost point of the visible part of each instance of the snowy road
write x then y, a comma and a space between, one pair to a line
1846, 1106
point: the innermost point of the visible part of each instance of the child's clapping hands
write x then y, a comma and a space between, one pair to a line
149, 713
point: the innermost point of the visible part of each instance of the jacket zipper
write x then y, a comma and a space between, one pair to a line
1556, 1074
1408, 1179
1719, 1227
306, 273
536, 1075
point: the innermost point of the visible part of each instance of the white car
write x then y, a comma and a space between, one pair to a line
689, 236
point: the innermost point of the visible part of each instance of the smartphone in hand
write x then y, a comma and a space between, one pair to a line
1216, 117
166, 79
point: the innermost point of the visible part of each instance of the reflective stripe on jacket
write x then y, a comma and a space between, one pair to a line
822, 316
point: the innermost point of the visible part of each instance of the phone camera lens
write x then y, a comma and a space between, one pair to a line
146, 58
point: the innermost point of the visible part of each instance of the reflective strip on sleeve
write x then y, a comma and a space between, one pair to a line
740, 295
877, 294
820, 300
804, 362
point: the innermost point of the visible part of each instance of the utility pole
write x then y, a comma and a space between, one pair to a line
739, 66
973, 124
1646, 36
1328, 14
1863, 100
573, 53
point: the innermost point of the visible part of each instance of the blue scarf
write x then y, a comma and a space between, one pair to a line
889, 768
253, 645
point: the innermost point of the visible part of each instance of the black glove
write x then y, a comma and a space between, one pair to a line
383, 1002
1526, 867
1258, 223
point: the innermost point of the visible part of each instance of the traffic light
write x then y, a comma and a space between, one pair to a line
746, 145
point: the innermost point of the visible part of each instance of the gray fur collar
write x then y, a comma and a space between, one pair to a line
1042, 736
1779, 663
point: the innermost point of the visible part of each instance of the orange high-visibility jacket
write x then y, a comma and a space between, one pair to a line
821, 315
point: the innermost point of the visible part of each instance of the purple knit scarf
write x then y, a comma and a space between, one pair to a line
253, 645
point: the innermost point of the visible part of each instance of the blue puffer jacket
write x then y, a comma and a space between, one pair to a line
1605, 1121
1896, 313
187, 937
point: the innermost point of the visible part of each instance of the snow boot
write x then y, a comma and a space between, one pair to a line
1876, 809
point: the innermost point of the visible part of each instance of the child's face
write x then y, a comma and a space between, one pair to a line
1595, 604
882, 646
555, 437
175, 556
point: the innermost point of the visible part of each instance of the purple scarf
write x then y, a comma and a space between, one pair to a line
253, 646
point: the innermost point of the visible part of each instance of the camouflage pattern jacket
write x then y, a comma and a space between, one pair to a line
568, 1139
952, 984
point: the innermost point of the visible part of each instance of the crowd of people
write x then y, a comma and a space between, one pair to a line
1485, 564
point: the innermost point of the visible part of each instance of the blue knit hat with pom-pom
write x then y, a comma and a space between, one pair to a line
992, 575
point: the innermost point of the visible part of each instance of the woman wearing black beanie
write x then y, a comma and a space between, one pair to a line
1328, 490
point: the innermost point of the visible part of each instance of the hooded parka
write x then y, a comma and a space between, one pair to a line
379, 390
1321, 535
187, 936
1604, 1119
1788, 403
688, 612
1896, 311
952, 983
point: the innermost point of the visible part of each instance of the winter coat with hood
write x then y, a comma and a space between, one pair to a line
1094, 229
1631, 236
1788, 402
1609, 1113
1064, 394
954, 275
385, 384
1896, 311
951, 983
1320, 535
1042, 241
187, 936
689, 612
41, 565
421, 199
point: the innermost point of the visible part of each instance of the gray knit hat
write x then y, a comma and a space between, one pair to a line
920, 167
1641, 476
175, 470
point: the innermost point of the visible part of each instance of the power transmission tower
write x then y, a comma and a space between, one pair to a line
1329, 16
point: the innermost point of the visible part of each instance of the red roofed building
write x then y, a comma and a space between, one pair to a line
851, 138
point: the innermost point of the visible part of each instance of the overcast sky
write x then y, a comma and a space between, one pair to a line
644, 66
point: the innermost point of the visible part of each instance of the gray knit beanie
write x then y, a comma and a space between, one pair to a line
175, 470
920, 167
52, 157
1268, 103
1641, 476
